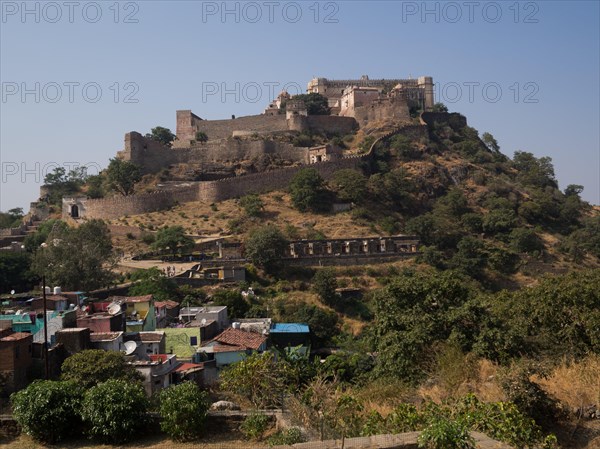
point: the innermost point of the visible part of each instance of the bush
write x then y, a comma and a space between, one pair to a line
252, 205
48, 410
324, 284
90, 367
525, 240
114, 411
255, 426
183, 410
289, 436
443, 434
308, 192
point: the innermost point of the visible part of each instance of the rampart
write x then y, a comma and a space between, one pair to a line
188, 124
152, 156
328, 124
219, 190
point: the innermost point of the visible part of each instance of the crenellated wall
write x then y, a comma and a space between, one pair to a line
219, 190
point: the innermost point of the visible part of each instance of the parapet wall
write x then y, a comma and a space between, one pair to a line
188, 124
220, 190
152, 156
228, 188
328, 124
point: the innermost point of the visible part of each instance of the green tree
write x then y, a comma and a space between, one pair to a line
48, 410
260, 378
60, 183
153, 282
525, 240
571, 190
15, 272
11, 218
172, 240
265, 247
114, 411
201, 137
316, 104
308, 191
443, 433
439, 107
324, 284
183, 411
122, 176
237, 307
95, 186
537, 172
490, 142
94, 366
252, 205
162, 135
349, 185
77, 258
33, 241
412, 313
470, 257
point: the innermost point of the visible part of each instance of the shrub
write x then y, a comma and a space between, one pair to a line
443, 434
183, 410
252, 205
48, 410
525, 240
90, 367
289, 436
255, 426
114, 411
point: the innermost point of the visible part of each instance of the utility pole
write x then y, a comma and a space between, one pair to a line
45, 329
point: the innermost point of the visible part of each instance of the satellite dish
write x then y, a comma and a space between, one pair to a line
12, 292
203, 321
19, 312
113, 309
130, 347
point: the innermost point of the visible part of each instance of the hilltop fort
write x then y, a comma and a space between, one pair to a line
224, 159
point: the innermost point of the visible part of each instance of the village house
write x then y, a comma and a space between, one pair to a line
107, 341
167, 312
147, 343
233, 345
158, 371
15, 360
285, 336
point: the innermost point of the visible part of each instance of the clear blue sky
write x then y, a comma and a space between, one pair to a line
543, 56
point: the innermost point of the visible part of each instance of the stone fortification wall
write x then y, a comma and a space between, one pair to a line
220, 190
224, 189
188, 124
328, 124
382, 109
108, 208
152, 156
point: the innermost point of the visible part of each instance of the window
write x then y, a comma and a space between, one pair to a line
193, 341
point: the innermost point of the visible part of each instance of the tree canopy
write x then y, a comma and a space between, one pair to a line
265, 247
162, 135
93, 366
172, 240
78, 258
122, 176
308, 192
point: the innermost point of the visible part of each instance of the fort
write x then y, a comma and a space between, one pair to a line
213, 150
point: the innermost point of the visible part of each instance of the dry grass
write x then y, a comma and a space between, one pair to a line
576, 384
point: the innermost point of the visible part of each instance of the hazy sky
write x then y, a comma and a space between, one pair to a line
76, 76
